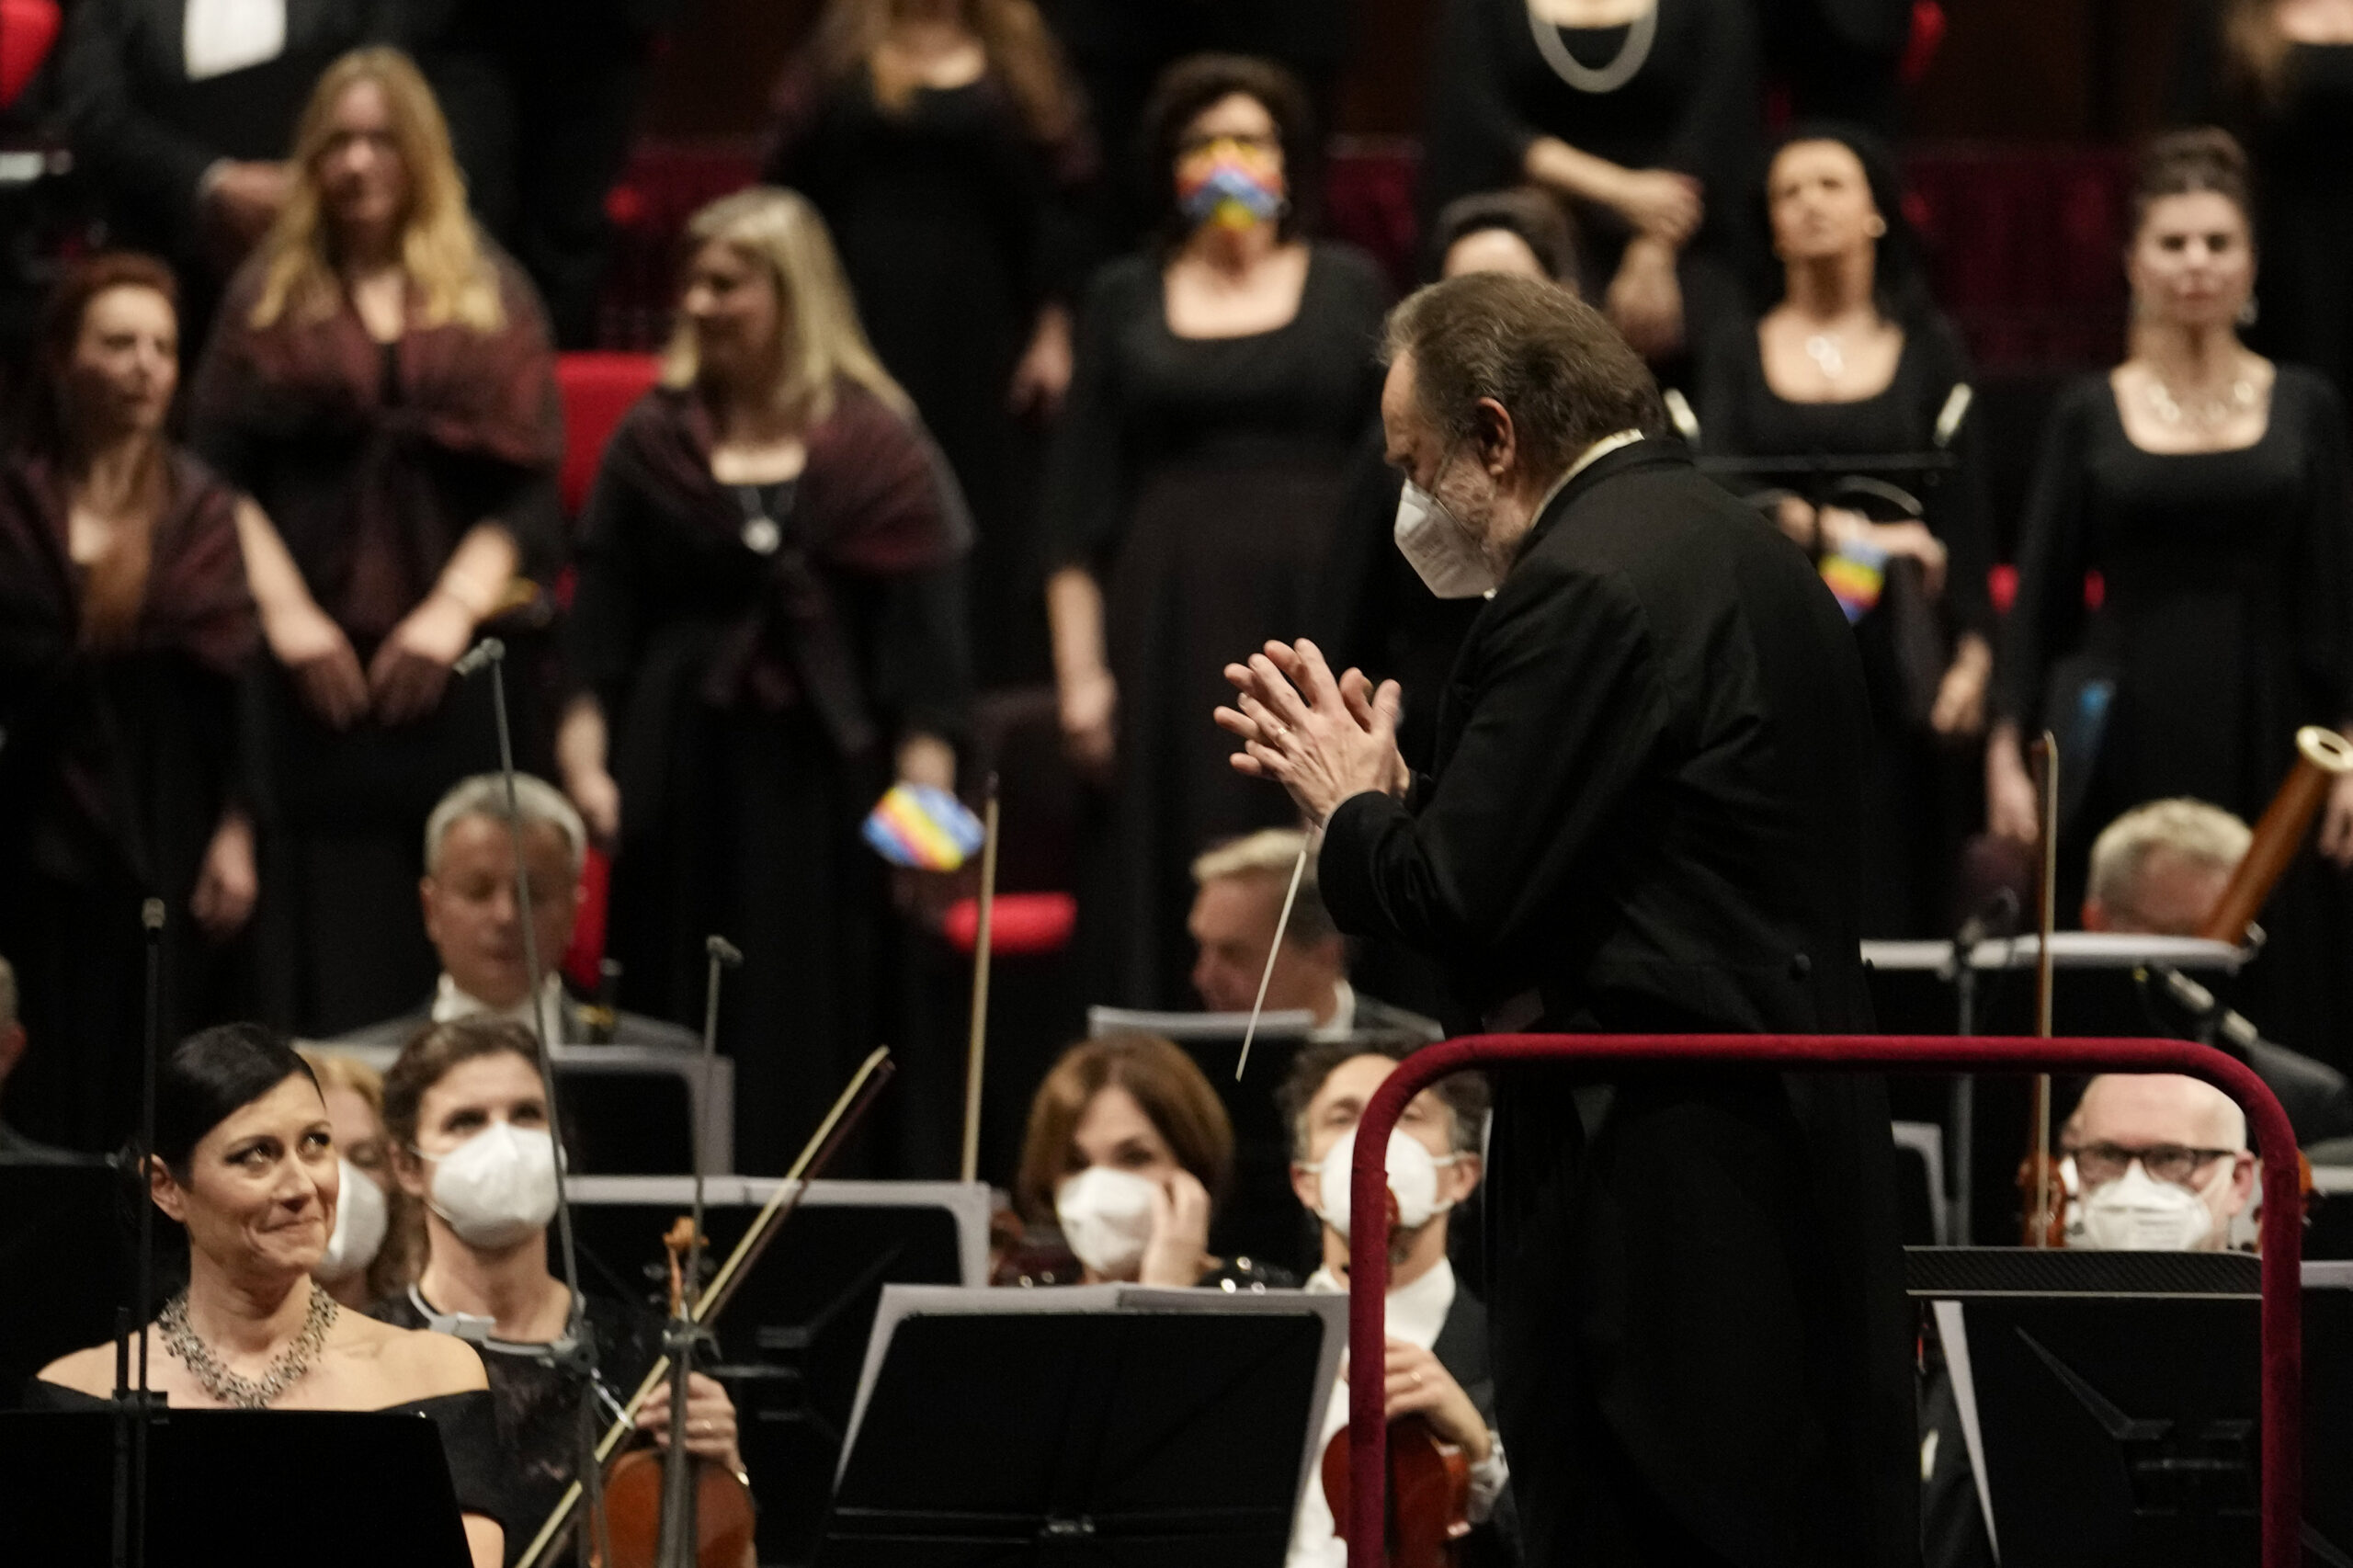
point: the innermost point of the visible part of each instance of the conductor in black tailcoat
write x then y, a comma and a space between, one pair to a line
1641, 817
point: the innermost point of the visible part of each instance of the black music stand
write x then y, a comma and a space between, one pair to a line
2112, 1401
1084, 1427
65, 1263
361, 1490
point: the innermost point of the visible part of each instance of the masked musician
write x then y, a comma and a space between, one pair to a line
1240, 901
2161, 1164
245, 1162
1128, 1151
476, 927
1437, 1330
357, 1267
474, 1164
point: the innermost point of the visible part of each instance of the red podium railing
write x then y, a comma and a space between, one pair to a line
2281, 1437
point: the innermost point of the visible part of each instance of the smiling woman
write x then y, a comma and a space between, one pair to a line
244, 1161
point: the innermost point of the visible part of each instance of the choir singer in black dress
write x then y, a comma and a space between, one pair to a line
1641, 817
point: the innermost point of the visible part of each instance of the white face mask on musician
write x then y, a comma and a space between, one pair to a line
1106, 1217
2138, 1213
496, 1187
1413, 1180
360, 1222
1442, 550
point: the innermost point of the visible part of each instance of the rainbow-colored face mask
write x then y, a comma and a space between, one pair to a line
1231, 183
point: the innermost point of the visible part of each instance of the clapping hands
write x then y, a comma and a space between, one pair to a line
1321, 739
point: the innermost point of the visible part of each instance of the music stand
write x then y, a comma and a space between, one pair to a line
1110, 1426
2109, 1402
792, 1344
65, 1263
361, 1489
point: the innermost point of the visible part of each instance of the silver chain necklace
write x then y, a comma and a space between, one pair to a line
228, 1387
1631, 54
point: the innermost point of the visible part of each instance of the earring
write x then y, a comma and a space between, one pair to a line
2247, 312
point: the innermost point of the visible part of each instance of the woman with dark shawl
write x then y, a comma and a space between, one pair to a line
380, 382
768, 629
124, 623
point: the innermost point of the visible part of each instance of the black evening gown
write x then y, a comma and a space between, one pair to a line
1691, 106
1920, 799
2301, 141
752, 697
2223, 623
955, 226
1199, 480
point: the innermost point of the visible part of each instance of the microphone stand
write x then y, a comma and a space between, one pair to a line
134, 1407
1997, 915
580, 1355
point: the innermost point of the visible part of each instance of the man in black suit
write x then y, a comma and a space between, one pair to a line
1640, 819
468, 896
1438, 1329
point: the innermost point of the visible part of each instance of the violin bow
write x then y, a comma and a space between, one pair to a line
2046, 753
977, 1049
864, 1084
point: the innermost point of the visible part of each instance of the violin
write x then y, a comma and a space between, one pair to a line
672, 1509
1427, 1509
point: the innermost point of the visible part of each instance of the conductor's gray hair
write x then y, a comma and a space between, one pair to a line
540, 803
1554, 362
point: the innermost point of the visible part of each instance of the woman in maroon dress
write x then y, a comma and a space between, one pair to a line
124, 623
380, 382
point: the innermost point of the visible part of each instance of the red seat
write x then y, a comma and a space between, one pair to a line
28, 28
583, 959
596, 388
1022, 923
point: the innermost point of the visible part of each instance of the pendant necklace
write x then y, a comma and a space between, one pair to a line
1631, 54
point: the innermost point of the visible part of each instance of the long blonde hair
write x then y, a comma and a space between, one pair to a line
1020, 47
816, 319
447, 268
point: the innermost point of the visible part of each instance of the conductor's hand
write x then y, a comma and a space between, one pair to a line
1419, 1384
711, 1421
1324, 740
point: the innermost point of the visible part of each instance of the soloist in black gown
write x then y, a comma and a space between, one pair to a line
956, 225
2223, 623
1920, 797
1198, 479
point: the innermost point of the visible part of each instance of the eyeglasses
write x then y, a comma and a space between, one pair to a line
1248, 142
2098, 1162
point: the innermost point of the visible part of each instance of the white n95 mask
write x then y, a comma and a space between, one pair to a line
1437, 546
1413, 1180
497, 1186
1106, 1217
2138, 1213
360, 1222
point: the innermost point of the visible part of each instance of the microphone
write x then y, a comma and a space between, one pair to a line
724, 951
151, 914
482, 656
1996, 916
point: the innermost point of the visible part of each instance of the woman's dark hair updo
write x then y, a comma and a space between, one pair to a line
2179, 162
208, 1076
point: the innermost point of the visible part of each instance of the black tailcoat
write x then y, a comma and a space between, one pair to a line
1643, 818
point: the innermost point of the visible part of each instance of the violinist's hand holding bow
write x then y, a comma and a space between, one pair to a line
711, 1421
1321, 739
1417, 1383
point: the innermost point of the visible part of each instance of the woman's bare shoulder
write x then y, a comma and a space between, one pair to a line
89, 1371
415, 1363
